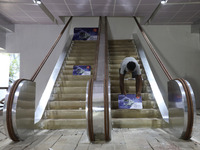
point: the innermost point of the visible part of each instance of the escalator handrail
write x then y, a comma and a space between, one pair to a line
90, 89
106, 84
50, 51
99, 78
9, 108
153, 50
188, 131
97, 51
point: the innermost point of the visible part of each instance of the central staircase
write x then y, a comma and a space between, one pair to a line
66, 107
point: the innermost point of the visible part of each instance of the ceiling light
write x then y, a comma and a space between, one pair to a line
37, 1
164, 1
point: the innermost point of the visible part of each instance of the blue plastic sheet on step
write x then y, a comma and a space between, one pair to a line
129, 101
85, 34
81, 70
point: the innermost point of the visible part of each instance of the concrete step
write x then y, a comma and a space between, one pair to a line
80, 58
127, 76
67, 105
128, 82
130, 89
65, 114
135, 113
123, 42
72, 77
81, 55
62, 124
122, 48
71, 84
68, 97
86, 48
69, 90
138, 123
82, 52
125, 54
122, 57
80, 62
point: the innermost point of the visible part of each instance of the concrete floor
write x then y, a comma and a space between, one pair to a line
122, 139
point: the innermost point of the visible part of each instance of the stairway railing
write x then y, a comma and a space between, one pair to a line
181, 98
98, 92
18, 118
107, 96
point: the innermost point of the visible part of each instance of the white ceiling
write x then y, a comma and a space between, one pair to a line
174, 12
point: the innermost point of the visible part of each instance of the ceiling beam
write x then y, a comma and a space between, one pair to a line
6, 24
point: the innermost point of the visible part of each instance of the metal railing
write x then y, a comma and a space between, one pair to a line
180, 96
21, 93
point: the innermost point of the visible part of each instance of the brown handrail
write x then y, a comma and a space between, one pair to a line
188, 132
9, 120
50, 51
106, 97
153, 50
90, 89
90, 111
97, 51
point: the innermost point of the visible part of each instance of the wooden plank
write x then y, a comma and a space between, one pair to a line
68, 141
45, 141
135, 139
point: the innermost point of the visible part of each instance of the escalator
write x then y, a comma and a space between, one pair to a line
66, 107
150, 115
76, 103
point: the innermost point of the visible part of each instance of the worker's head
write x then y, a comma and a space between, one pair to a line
131, 66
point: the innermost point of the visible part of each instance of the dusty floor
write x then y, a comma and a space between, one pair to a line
122, 139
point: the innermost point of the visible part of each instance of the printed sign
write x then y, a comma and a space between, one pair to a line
85, 34
82, 70
129, 101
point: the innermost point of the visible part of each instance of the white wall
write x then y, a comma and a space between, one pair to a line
180, 50
33, 43
120, 27
84, 22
